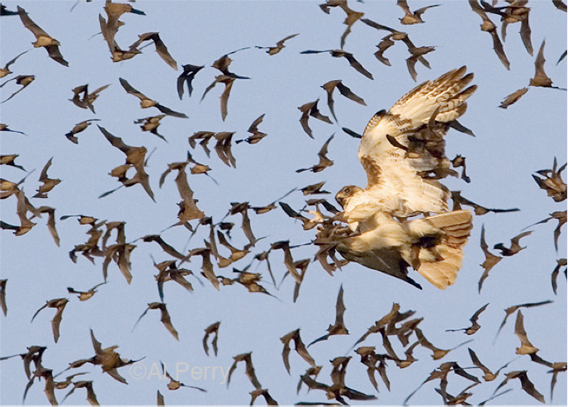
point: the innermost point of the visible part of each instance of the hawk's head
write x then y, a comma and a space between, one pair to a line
345, 194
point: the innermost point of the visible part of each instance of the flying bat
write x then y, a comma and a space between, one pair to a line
24, 80
5, 71
279, 45
338, 328
308, 110
59, 304
299, 346
165, 317
324, 162
85, 295
330, 87
211, 329
515, 245
412, 17
339, 53
146, 102
186, 77
175, 384
78, 128
474, 325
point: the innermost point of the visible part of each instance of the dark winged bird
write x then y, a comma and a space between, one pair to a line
43, 39
146, 102
59, 304
474, 324
339, 53
5, 71
279, 45
412, 17
186, 77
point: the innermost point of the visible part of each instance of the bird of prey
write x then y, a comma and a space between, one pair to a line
279, 45
43, 39
186, 77
5, 71
338, 327
412, 17
146, 102
515, 245
339, 53
24, 80
59, 304
489, 27
330, 86
474, 324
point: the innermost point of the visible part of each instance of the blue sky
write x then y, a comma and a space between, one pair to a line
509, 146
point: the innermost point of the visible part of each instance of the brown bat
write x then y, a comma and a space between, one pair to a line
146, 102
120, 253
490, 259
165, 317
87, 99
188, 206
211, 329
223, 148
526, 384
6, 70
85, 295
559, 264
279, 45
186, 77
540, 78
560, 216
526, 347
43, 39
437, 353
299, 346
256, 134
474, 325
479, 210
314, 189
514, 308
175, 384
324, 162
4, 127
311, 109
48, 183
242, 208
59, 304
110, 27
206, 266
556, 367
151, 124
489, 375
204, 136
416, 52
160, 399
412, 17
515, 246
161, 48
513, 98
370, 359
228, 82
3, 305
339, 53
84, 384
249, 369
50, 222
338, 328
330, 86
264, 393
169, 272
489, 27
459, 161
24, 80
10, 159
78, 128
351, 16
165, 246
136, 156
552, 182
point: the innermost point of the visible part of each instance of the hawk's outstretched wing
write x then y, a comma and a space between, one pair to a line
403, 150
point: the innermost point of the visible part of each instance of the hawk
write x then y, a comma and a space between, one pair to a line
402, 217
